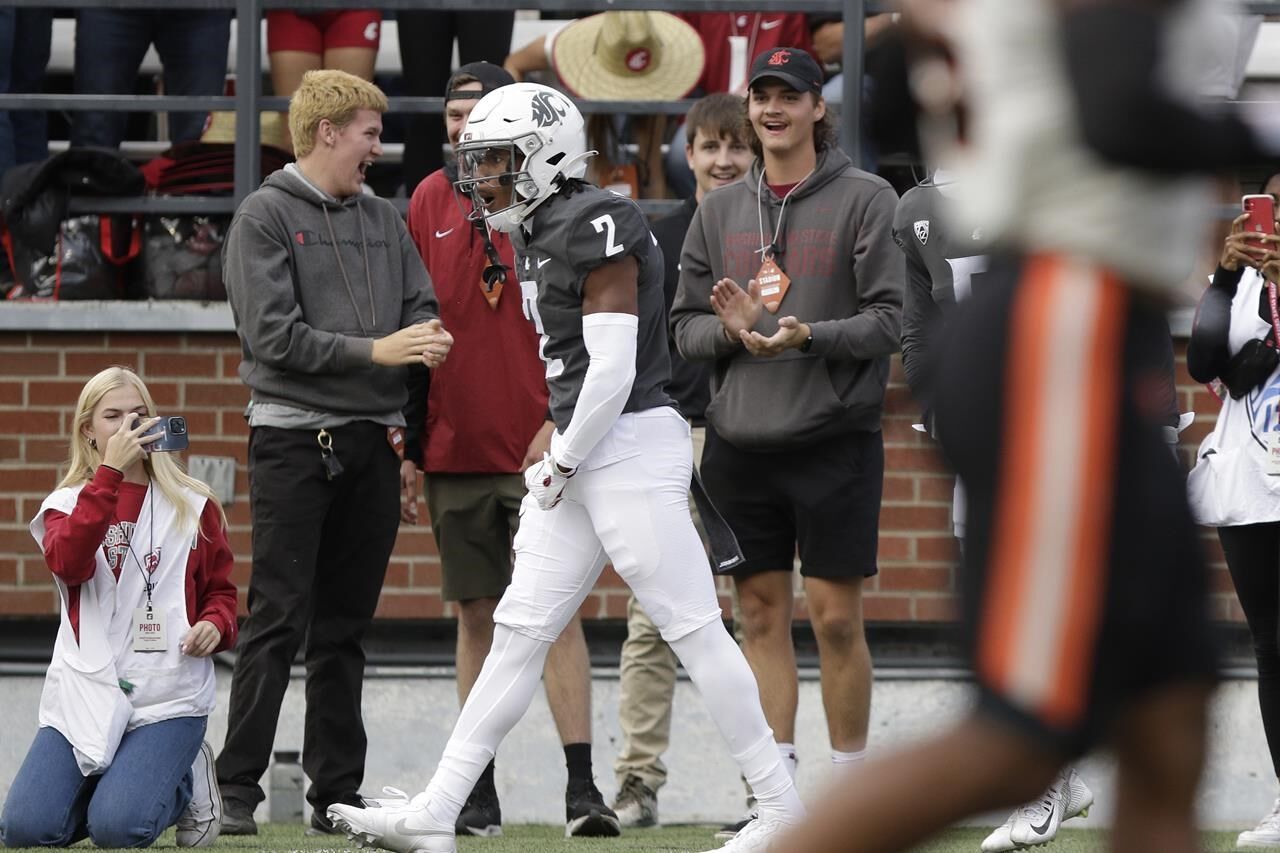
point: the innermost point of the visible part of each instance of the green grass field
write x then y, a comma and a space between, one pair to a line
673, 839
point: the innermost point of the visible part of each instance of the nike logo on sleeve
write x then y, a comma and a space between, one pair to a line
445, 233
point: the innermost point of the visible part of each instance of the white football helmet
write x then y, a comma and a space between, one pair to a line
526, 136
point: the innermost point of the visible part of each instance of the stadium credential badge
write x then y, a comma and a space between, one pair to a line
922, 231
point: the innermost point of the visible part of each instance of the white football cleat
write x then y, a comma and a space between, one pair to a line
761, 835
1037, 822
1266, 833
402, 828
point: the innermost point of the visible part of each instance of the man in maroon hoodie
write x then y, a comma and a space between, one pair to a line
485, 422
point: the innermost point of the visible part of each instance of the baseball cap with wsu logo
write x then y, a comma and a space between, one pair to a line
792, 66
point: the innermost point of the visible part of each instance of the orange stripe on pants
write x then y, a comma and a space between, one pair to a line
1047, 286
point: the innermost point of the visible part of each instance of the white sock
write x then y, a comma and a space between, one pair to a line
498, 700
839, 758
716, 666
787, 752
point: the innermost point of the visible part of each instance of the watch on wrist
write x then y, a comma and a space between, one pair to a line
807, 345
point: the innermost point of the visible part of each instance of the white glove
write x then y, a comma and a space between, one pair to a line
546, 481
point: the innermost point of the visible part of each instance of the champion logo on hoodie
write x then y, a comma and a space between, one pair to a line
311, 238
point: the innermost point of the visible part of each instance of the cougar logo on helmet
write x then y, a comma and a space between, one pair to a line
545, 110
519, 147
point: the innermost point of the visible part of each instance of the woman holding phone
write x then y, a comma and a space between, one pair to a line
1235, 485
139, 554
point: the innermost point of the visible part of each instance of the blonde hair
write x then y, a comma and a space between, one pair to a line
329, 94
163, 469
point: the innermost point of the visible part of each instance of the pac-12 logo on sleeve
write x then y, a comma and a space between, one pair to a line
922, 231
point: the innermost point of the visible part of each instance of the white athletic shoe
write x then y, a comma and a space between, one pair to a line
1037, 822
201, 822
761, 835
1266, 834
402, 828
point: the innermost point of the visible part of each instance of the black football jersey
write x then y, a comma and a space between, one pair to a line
951, 258
943, 266
566, 238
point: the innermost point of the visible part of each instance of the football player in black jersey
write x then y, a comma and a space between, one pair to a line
614, 487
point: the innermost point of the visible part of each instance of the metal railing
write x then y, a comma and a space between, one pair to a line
248, 100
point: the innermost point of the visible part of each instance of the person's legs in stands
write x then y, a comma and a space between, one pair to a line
192, 44
110, 44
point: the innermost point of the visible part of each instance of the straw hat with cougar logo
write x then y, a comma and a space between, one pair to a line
629, 56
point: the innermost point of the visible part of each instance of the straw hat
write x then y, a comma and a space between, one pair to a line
221, 127
629, 56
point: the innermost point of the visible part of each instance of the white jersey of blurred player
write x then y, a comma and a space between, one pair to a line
615, 485
1027, 177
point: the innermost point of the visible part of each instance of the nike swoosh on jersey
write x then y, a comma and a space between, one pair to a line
542, 262
445, 233
1044, 827
769, 25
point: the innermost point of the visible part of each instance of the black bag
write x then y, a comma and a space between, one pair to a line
90, 256
182, 257
1250, 367
58, 256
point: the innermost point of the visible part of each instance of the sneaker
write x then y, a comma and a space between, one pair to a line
406, 828
237, 817
1266, 834
586, 815
729, 830
321, 825
760, 835
636, 803
1037, 822
201, 823
481, 814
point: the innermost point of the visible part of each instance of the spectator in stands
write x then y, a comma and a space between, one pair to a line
110, 44
326, 369
24, 53
1232, 486
483, 427
718, 154
621, 56
139, 556
298, 42
426, 56
794, 451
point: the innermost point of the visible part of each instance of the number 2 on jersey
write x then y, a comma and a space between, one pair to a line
604, 225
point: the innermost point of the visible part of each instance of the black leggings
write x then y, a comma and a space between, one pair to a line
1253, 558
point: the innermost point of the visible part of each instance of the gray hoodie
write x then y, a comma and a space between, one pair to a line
312, 281
846, 283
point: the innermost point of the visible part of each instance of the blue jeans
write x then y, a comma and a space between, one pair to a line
110, 44
142, 793
24, 54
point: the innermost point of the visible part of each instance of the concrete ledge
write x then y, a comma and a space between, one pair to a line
123, 315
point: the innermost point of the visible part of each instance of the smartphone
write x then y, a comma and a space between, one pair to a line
1262, 214
173, 434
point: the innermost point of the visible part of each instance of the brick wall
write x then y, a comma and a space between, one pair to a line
194, 374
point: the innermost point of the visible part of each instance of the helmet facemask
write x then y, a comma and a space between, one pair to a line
491, 173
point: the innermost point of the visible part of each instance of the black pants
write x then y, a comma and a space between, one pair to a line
1253, 558
320, 552
426, 50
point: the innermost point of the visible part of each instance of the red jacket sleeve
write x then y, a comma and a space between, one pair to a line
71, 542
211, 596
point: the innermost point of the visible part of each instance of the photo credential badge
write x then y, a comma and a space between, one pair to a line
148, 630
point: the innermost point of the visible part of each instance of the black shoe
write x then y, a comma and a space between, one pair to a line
237, 817
320, 823
586, 815
481, 814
